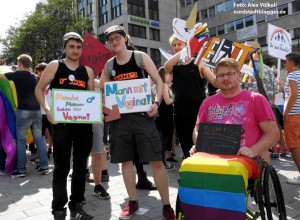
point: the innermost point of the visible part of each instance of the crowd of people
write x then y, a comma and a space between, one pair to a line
179, 105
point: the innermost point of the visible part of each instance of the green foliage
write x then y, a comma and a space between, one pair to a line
40, 33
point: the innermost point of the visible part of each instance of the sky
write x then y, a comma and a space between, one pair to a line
12, 11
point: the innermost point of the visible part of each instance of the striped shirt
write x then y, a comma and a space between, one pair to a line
293, 76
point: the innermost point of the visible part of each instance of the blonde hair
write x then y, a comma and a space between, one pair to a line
172, 38
25, 59
228, 62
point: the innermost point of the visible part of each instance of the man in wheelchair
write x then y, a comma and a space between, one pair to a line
231, 105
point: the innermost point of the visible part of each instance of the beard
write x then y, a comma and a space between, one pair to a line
73, 58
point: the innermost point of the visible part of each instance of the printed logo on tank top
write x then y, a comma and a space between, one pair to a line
74, 82
126, 76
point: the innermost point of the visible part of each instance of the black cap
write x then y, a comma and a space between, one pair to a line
113, 29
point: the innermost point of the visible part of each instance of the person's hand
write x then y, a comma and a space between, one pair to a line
285, 117
49, 116
193, 150
247, 152
153, 110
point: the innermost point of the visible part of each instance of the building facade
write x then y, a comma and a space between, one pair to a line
148, 22
247, 20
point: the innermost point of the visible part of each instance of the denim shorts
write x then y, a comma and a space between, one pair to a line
135, 133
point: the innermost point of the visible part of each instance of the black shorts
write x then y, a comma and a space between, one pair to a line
135, 133
46, 124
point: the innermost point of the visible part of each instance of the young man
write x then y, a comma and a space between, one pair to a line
68, 74
233, 105
136, 132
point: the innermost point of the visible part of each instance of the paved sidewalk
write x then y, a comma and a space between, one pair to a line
29, 198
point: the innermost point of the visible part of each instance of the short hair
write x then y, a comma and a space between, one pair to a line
25, 60
40, 67
228, 62
172, 38
295, 57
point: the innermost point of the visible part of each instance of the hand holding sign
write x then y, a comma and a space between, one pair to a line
112, 114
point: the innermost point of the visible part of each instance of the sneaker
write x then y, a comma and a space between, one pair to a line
101, 192
169, 213
60, 214
172, 160
130, 209
168, 166
274, 155
294, 181
105, 177
34, 159
17, 174
283, 155
79, 213
42, 171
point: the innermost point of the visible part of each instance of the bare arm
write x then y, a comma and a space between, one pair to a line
269, 138
171, 62
168, 100
47, 77
291, 100
208, 74
2, 76
152, 71
90, 83
103, 78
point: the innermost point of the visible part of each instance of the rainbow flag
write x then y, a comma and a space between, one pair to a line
214, 187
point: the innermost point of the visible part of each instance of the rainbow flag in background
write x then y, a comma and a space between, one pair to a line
213, 187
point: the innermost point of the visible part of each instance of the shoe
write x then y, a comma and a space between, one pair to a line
283, 155
49, 152
168, 166
42, 171
79, 213
2, 173
130, 209
171, 160
17, 174
34, 159
169, 213
274, 155
101, 192
60, 215
294, 181
105, 177
144, 183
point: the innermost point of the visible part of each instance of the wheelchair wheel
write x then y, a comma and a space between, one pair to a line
274, 201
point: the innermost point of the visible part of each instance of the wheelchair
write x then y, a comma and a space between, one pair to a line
266, 193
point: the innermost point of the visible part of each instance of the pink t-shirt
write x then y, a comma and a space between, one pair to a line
247, 108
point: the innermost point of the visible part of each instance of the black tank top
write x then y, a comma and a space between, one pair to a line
188, 87
66, 78
127, 71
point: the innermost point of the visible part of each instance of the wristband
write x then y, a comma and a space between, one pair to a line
157, 103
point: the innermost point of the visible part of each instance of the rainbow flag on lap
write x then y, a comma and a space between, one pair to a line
214, 186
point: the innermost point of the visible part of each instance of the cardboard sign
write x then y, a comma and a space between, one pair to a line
219, 138
76, 106
130, 95
279, 42
94, 54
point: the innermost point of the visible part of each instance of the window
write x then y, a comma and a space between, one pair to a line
230, 27
212, 11
260, 18
262, 41
271, 16
137, 31
283, 10
116, 8
249, 21
212, 32
239, 24
103, 12
229, 5
220, 30
295, 6
153, 10
204, 14
136, 8
155, 56
154, 34
221, 8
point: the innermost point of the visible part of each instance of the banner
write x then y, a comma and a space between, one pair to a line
76, 106
129, 95
279, 42
94, 54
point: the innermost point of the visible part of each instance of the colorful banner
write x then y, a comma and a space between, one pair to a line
279, 42
94, 54
130, 95
76, 106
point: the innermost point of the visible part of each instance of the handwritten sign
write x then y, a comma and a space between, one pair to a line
76, 106
130, 95
219, 138
279, 42
94, 54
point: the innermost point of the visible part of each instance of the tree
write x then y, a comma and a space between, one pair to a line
40, 33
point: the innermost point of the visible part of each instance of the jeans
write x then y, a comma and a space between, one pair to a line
66, 137
30, 119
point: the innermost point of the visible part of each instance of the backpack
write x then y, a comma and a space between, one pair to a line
138, 60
